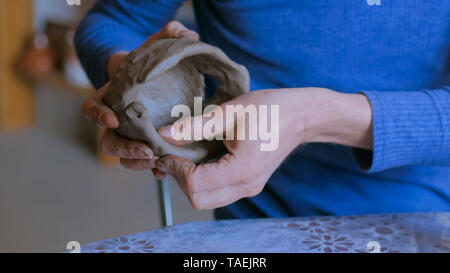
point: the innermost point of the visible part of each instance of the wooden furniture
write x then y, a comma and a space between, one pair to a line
17, 97
17, 100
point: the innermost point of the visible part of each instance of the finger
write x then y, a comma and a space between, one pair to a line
94, 109
114, 145
138, 164
206, 177
224, 196
210, 186
190, 129
103, 115
174, 29
167, 135
188, 34
179, 168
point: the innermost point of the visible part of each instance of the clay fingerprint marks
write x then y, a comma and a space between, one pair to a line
151, 60
161, 55
233, 78
145, 66
137, 115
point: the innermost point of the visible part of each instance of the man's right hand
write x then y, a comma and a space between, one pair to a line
133, 155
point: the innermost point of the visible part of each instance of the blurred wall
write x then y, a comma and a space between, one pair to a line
53, 188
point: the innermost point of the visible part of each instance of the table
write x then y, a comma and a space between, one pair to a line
387, 233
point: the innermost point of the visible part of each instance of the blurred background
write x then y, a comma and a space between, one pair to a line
55, 186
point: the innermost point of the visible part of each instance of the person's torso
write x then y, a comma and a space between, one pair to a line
347, 46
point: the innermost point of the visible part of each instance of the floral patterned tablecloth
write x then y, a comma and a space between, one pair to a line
421, 232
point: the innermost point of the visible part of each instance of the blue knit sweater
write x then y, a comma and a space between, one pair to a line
396, 53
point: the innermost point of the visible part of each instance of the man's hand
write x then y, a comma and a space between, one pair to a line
133, 154
305, 115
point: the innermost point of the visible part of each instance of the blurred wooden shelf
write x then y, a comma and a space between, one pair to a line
17, 99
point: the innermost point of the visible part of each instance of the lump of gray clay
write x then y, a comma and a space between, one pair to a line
165, 73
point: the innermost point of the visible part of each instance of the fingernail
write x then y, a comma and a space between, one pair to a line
166, 131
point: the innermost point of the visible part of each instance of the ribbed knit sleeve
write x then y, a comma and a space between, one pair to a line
409, 128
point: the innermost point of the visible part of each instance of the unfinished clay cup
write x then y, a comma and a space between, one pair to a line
168, 72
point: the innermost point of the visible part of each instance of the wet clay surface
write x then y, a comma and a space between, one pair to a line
162, 74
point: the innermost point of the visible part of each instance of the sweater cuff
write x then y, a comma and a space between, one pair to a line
372, 161
409, 128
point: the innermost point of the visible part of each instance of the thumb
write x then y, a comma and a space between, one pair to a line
178, 167
196, 128
174, 29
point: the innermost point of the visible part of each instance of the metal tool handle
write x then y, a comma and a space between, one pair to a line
165, 203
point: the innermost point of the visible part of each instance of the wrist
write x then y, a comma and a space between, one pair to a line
340, 118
